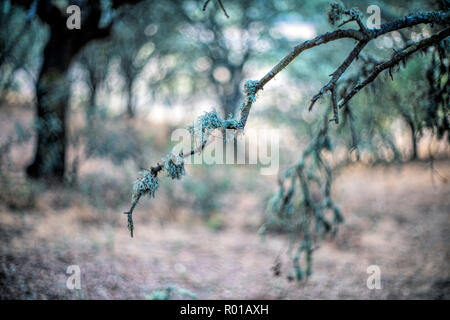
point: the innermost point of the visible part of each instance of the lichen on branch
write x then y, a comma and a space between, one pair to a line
302, 173
210, 121
147, 184
174, 166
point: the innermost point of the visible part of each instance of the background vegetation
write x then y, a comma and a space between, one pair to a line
83, 111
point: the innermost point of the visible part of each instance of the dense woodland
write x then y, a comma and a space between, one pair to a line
358, 92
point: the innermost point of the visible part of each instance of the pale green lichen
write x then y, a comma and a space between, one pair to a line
210, 121
146, 184
174, 166
250, 88
231, 123
206, 123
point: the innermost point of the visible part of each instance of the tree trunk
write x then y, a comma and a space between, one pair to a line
52, 92
91, 108
53, 88
232, 95
413, 141
130, 99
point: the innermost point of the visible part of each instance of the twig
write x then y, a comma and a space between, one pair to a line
334, 106
220, 4
338, 73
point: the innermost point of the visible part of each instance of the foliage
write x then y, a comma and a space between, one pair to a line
118, 143
207, 193
303, 212
103, 191
20, 42
17, 195
438, 77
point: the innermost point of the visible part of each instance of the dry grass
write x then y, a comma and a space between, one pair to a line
397, 219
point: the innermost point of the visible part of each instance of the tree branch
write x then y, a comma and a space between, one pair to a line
338, 73
397, 58
363, 36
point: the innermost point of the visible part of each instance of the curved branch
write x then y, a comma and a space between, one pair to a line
363, 36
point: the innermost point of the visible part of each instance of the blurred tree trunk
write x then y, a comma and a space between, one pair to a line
53, 87
229, 101
130, 98
92, 107
52, 92
413, 140
95, 60
410, 122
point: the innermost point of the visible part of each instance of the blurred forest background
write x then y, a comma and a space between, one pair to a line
137, 70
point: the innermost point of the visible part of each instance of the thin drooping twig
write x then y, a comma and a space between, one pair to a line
363, 36
205, 4
223, 8
334, 106
220, 5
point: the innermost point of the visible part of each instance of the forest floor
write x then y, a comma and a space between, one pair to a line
396, 217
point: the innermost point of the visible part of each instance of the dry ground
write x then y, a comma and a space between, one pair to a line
396, 218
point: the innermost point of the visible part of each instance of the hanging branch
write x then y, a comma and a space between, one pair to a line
174, 165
